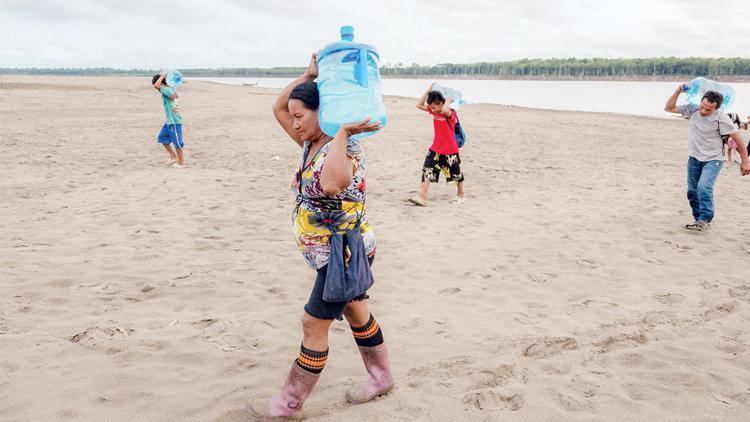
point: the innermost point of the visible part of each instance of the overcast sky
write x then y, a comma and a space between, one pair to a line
236, 33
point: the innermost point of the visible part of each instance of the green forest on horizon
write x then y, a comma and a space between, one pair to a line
595, 68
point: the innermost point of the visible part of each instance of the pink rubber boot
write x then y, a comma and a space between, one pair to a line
288, 403
380, 381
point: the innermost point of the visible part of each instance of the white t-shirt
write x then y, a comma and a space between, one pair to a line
704, 139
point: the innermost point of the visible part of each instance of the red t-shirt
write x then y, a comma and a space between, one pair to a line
445, 139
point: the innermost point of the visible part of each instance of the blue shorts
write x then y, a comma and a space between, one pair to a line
171, 133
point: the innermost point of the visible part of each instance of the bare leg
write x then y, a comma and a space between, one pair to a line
172, 155
315, 330
423, 190
180, 160
460, 189
729, 156
357, 313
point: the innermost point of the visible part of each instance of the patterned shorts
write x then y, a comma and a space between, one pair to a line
449, 165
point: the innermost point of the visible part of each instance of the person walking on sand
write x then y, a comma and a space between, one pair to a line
731, 144
330, 189
443, 156
707, 126
171, 131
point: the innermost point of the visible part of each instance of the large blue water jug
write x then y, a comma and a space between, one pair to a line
349, 84
701, 85
173, 78
455, 95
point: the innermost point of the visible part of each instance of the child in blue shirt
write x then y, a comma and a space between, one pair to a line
171, 132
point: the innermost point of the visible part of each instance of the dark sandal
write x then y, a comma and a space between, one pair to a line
696, 227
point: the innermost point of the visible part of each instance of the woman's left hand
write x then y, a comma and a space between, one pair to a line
360, 127
312, 69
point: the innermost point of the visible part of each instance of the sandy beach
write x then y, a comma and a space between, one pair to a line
564, 289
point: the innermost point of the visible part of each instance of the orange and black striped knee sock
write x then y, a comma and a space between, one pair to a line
369, 335
312, 361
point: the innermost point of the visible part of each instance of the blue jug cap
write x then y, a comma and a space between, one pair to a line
347, 33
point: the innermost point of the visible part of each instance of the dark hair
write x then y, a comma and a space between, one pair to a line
735, 118
307, 92
713, 97
156, 78
435, 97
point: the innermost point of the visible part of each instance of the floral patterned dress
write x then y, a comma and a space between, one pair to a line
315, 212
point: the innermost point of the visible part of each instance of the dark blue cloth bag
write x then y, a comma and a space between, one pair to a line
345, 282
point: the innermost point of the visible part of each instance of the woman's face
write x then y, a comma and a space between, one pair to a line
305, 121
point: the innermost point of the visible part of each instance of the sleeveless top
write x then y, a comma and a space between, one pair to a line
315, 212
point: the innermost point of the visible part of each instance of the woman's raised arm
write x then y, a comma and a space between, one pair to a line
281, 105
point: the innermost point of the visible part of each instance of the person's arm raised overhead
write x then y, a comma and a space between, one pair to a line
158, 82
446, 110
420, 102
671, 105
281, 105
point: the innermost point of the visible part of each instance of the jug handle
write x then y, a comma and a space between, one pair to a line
360, 70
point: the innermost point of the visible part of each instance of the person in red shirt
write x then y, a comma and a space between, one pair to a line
442, 156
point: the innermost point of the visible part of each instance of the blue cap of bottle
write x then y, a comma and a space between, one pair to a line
347, 33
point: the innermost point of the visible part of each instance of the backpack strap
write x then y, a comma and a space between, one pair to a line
724, 139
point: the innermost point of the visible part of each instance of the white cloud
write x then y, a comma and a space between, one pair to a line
233, 33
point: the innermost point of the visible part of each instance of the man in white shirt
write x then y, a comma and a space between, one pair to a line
707, 126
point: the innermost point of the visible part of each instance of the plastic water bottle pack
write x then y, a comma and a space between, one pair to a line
454, 94
349, 84
701, 85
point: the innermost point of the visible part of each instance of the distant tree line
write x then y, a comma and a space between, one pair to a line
598, 68
575, 68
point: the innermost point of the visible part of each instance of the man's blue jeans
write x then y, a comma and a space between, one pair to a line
701, 179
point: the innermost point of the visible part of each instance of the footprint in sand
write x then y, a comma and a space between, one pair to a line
451, 290
622, 340
731, 346
669, 298
740, 292
720, 310
574, 402
546, 347
204, 323
743, 397
537, 278
526, 319
105, 339
276, 291
588, 263
635, 392
681, 248
490, 400
225, 335
579, 393
497, 376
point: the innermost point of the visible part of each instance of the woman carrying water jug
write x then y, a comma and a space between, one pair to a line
336, 239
